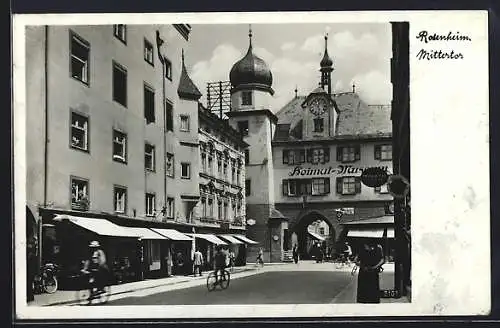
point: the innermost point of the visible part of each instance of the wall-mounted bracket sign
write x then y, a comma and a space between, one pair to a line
251, 222
374, 177
398, 186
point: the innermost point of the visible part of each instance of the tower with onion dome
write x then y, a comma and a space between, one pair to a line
251, 95
326, 68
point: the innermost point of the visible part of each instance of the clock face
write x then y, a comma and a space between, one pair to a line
318, 106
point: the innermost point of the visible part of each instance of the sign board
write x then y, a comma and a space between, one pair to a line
374, 177
251, 222
398, 186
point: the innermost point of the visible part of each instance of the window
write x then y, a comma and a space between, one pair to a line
170, 210
149, 104
185, 170
382, 189
246, 98
120, 199
219, 166
119, 146
184, 123
148, 52
168, 68
247, 187
150, 204
79, 132
318, 125
225, 210
294, 156
348, 154
210, 207
320, 186
243, 128
210, 165
149, 157
170, 165
219, 209
119, 84
80, 50
238, 173
383, 152
348, 185
170, 116
203, 207
189, 211
247, 156
297, 187
233, 208
203, 162
80, 194
120, 32
225, 171
321, 230
318, 155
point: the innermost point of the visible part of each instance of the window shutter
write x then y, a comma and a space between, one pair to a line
327, 154
302, 156
285, 156
285, 187
309, 155
339, 154
357, 153
357, 185
339, 185
309, 187
327, 185
377, 152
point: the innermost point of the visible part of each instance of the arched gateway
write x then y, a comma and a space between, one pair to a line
304, 239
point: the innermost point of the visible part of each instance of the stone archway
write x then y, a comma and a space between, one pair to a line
300, 233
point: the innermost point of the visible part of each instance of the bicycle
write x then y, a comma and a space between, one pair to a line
220, 280
342, 260
46, 281
93, 292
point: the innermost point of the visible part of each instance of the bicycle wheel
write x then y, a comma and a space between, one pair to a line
211, 281
50, 284
225, 280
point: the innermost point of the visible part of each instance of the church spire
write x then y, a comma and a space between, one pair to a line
326, 69
250, 35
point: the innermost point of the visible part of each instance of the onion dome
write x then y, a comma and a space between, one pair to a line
326, 62
187, 89
251, 71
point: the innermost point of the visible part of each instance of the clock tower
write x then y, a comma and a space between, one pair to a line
326, 69
320, 114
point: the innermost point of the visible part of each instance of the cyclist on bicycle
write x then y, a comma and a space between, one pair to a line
347, 253
220, 264
96, 265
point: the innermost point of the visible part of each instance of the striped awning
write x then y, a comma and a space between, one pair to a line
208, 237
172, 234
231, 239
245, 239
101, 227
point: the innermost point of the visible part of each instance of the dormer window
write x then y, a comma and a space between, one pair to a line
318, 125
246, 98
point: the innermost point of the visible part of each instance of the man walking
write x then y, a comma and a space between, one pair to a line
197, 261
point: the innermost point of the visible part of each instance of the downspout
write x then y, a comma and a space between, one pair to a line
159, 43
46, 144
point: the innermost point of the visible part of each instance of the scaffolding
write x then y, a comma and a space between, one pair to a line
219, 98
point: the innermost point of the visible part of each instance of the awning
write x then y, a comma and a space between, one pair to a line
386, 219
145, 233
366, 233
172, 234
390, 232
231, 239
245, 239
315, 235
99, 226
208, 237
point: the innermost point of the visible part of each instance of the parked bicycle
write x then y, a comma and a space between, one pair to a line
96, 292
221, 280
46, 280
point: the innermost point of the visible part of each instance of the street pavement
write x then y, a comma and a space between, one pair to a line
280, 283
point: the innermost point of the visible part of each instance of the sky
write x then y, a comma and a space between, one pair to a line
360, 52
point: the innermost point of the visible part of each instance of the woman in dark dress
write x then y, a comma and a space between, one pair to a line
295, 254
371, 259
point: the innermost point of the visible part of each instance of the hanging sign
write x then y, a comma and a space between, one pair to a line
374, 177
251, 222
398, 186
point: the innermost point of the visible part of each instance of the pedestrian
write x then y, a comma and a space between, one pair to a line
260, 257
295, 254
197, 262
232, 259
371, 260
97, 265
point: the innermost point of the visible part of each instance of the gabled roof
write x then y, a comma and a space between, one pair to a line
187, 89
355, 118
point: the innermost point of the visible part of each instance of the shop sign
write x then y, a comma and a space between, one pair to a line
398, 186
374, 177
339, 170
251, 222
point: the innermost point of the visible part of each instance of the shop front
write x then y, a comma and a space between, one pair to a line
236, 246
174, 254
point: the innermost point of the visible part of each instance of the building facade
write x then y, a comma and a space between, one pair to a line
113, 123
304, 161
